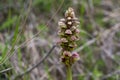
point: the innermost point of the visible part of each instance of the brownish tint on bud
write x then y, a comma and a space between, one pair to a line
75, 57
67, 54
74, 38
64, 40
68, 31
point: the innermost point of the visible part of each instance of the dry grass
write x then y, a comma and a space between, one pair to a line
36, 33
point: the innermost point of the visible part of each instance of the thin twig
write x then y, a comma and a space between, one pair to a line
111, 74
5, 70
36, 65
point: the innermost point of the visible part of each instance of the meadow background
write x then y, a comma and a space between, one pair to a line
28, 30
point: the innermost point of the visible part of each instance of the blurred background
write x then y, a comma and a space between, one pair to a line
28, 30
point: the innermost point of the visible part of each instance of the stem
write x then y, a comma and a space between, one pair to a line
69, 73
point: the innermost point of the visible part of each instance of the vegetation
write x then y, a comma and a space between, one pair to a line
28, 37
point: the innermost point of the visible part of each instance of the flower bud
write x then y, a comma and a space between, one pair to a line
61, 23
67, 53
64, 40
69, 18
75, 19
77, 22
68, 31
77, 31
62, 20
73, 45
62, 59
60, 33
69, 23
70, 12
73, 38
73, 28
75, 56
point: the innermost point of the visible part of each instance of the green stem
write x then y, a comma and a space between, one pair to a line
69, 73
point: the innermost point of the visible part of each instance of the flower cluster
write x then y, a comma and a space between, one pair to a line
68, 36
